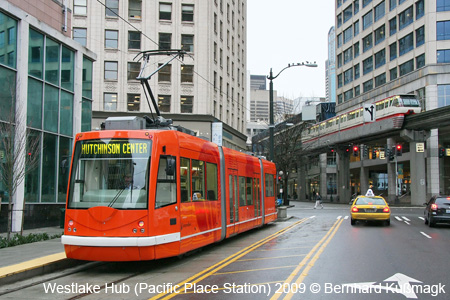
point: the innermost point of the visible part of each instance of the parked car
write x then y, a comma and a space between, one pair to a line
374, 208
437, 210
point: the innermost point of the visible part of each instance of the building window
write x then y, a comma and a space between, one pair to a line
165, 41
348, 76
420, 9
405, 44
164, 74
134, 40
187, 13
164, 103
393, 26
367, 20
110, 101
357, 91
348, 95
443, 30
356, 71
348, 55
442, 5
356, 49
80, 7
339, 80
187, 74
393, 73
392, 4
420, 61
380, 80
133, 70
379, 35
443, 95
367, 43
366, 2
348, 13
111, 70
443, 56
339, 20
111, 39
420, 36
355, 7
134, 9
133, 102
187, 104
368, 85
187, 42
367, 65
393, 51
380, 58
165, 11
112, 8
406, 67
348, 34
356, 28
80, 35
379, 11
405, 18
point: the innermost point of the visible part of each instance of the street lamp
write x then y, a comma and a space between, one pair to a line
271, 78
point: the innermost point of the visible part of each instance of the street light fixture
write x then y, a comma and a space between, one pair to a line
271, 78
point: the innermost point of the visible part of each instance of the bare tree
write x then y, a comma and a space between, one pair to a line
20, 152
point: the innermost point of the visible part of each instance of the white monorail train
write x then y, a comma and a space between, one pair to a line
395, 108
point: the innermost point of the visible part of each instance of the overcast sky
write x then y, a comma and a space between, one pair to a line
290, 31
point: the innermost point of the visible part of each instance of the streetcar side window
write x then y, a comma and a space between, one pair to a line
269, 181
185, 181
198, 180
211, 181
249, 191
241, 191
166, 188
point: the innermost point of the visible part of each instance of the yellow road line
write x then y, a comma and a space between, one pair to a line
271, 257
253, 270
225, 262
31, 264
304, 261
313, 260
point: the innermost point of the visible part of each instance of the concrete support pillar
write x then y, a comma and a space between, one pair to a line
418, 174
343, 177
364, 179
392, 175
302, 183
323, 176
432, 162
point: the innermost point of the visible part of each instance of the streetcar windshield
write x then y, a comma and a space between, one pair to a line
110, 172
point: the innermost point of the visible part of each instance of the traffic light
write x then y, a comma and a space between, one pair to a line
390, 153
355, 150
441, 152
398, 150
365, 151
279, 179
374, 153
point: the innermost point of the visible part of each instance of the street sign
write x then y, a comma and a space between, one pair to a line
447, 151
382, 155
217, 133
369, 113
420, 147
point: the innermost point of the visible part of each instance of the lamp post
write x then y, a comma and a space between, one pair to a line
271, 78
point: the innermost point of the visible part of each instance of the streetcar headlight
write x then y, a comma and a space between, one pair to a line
141, 224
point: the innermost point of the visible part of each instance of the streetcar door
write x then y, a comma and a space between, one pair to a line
167, 216
232, 200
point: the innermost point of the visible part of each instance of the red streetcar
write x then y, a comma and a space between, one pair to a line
142, 194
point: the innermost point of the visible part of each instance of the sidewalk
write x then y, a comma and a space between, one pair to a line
23, 261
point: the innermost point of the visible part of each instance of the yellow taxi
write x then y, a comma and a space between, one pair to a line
370, 208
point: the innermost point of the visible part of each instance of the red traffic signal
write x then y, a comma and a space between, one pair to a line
355, 150
398, 149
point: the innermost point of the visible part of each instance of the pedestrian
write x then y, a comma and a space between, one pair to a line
318, 201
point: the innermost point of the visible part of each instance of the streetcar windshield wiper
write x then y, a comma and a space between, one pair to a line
116, 197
